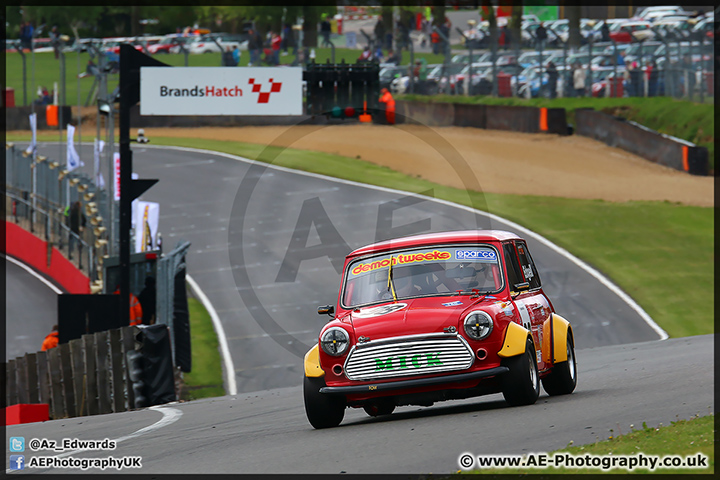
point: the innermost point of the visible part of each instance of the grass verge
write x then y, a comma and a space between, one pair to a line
691, 121
685, 438
636, 244
659, 253
205, 380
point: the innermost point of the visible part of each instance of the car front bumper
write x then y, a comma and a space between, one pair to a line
412, 383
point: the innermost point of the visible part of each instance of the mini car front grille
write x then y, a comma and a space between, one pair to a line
406, 357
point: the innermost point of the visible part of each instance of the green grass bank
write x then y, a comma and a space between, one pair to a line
684, 438
691, 121
659, 253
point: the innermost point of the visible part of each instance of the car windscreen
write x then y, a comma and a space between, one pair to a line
441, 270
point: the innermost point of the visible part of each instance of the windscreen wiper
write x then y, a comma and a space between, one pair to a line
390, 285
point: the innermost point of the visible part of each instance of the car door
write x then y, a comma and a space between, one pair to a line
531, 303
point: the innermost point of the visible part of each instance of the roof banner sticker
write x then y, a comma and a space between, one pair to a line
403, 258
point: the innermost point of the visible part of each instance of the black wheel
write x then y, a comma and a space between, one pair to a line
383, 406
562, 379
323, 411
521, 385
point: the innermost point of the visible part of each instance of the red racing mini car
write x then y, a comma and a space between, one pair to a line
437, 317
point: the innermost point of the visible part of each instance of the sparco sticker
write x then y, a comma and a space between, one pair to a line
377, 311
220, 91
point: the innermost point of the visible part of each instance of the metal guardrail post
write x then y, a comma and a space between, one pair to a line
445, 61
167, 267
468, 84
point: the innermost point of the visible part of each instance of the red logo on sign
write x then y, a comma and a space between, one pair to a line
264, 97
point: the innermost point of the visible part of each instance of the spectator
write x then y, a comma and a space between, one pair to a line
26, 35
552, 72
445, 30
403, 35
236, 56
423, 32
365, 55
652, 79
636, 81
688, 76
393, 58
55, 41
275, 42
435, 41
325, 31
621, 58
541, 36
51, 340
227, 57
378, 55
44, 96
504, 39
379, 31
579, 78
388, 40
254, 45
76, 222
286, 32
605, 32
147, 299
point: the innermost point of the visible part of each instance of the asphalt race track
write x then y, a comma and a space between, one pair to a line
266, 432
30, 311
270, 319
265, 247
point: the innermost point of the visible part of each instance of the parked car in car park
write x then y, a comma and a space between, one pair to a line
208, 43
169, 44
631, 31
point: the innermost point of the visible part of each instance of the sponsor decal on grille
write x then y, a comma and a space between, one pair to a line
407, 357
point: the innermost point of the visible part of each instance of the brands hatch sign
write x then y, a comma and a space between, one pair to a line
221, 91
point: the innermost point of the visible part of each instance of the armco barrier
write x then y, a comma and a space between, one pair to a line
514, 119
440, 114
33, 251
492, 117
468, 115
635, 138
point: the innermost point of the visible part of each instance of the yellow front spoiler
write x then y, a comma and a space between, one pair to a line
312, 363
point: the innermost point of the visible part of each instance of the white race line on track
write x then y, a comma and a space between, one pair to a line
222, 338
225, 351
32, 272
169, 416
529, 233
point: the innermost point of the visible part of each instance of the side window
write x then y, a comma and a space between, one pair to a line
528, 266
512, 265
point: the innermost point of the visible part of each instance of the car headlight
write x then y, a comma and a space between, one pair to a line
334, 341
478, 325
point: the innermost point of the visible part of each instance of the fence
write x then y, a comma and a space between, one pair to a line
658, 63
87, 376
95, 374
38, 198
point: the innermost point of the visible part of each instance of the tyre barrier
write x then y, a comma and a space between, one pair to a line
642, 141
105, 372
